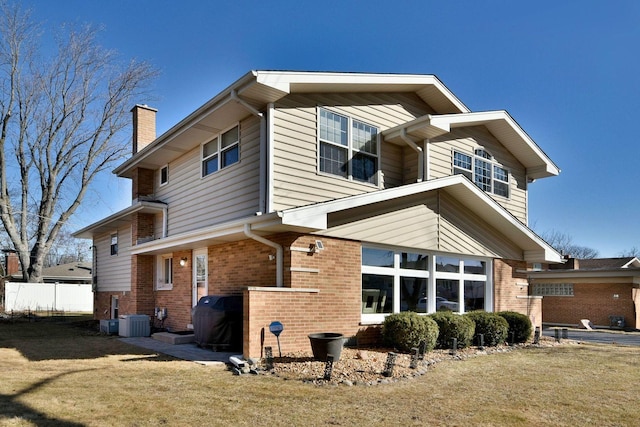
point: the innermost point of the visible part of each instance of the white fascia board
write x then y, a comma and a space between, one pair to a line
87, 232
191, 238
316, 216
214, 103
487, 117
634, 262
286, 82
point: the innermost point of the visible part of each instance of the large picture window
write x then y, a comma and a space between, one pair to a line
347, 147
394, 281
221, 151
482, 169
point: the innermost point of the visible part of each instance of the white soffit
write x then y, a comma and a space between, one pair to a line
499, 123
258, 88
427, 86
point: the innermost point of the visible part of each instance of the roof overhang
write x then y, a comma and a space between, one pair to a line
624, 275
119, 219
314, 218
256, 89
499, 123
535, 249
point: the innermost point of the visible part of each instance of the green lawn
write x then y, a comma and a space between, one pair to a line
58, 374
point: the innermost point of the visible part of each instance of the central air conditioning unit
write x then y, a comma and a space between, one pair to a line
134, 325
109, 326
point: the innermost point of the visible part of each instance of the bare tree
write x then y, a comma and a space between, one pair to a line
563, 243
62, 122
633, 252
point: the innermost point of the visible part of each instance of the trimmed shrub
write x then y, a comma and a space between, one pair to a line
407, 330
519, 324
452, 325
492, 326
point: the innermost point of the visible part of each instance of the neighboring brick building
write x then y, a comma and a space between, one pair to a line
604, 291
327, 200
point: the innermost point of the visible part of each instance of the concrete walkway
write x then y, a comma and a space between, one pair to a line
600, 336
188, 351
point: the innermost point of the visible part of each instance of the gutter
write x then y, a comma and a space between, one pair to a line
279, 253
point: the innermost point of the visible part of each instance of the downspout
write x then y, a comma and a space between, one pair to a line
411, 143
279, 253
165, 220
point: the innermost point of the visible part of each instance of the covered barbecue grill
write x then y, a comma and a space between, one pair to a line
217, 322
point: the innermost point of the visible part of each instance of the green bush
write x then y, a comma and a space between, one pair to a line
452, 325
407, 330
519, 324
492, 326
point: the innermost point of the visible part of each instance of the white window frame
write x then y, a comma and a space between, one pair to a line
471, 172
164, 264
161, 173
219, 152
350, 149
113, 245
431, 275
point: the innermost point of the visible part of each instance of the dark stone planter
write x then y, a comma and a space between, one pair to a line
324, 343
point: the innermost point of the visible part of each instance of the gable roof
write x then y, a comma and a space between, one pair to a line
255, 90
499, 123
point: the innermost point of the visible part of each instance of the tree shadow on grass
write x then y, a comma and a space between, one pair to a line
11, 407
46, 340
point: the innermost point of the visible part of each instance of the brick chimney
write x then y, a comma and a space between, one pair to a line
144, 126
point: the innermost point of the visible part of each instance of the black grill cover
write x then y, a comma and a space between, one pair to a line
217, 322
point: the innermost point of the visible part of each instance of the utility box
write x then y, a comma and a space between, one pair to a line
109, 326
134, 325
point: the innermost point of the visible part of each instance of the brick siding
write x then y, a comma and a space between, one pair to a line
591, 301
511, 290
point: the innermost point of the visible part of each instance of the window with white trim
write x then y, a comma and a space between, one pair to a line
114, 244
165, 272
221, 151
164, 175
483, 170
394, 281
347, 147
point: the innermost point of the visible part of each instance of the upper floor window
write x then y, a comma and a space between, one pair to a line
164, 175
348, 147
483, 170
114, 244
221, 151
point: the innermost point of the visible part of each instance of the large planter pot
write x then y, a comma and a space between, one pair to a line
325, 343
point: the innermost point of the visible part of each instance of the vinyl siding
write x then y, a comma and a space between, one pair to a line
466, 140
434, 222
297, 181
114, 271
230, 193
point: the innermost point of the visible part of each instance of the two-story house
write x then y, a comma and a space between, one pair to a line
327, 200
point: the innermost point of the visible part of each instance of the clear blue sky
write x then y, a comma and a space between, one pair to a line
567, 71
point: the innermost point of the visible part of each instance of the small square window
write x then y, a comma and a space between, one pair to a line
221, 151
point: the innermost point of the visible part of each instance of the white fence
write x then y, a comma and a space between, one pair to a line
48, 296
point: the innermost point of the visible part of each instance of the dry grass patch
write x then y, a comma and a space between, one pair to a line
60, 375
